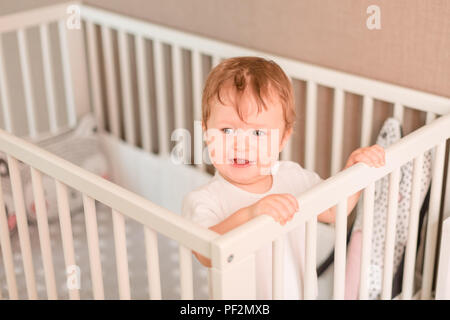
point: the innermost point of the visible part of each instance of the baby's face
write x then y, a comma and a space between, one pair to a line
242, 151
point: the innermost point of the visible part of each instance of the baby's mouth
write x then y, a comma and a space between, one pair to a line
241, 162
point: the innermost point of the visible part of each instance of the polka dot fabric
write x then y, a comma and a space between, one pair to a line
389, 134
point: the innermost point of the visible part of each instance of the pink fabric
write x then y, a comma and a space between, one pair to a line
352, 272
12, 222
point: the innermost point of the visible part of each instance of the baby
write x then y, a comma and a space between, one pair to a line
248, 116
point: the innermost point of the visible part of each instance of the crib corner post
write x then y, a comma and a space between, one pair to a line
443, 278
231, 278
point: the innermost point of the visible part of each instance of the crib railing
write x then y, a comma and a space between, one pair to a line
122, 202
237, 247
231, 254
72, 69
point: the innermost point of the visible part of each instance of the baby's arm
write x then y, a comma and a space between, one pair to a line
280, 206
236, 219
373, 156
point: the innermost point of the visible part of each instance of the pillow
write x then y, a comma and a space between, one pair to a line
389, 134
80, 146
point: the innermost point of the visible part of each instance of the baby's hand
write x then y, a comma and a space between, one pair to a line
373, 156
280, 206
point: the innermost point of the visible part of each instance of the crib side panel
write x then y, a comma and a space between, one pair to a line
43, 68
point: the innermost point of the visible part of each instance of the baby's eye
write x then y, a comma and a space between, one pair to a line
227, 130
259, 133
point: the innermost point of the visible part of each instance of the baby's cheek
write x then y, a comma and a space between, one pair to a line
216, 151
266, 159
267, 149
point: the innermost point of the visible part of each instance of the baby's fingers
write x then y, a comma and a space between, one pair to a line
380, 152
282, 211
290, 205
375, 160
277, 215
364, 158
293, 200
377, 156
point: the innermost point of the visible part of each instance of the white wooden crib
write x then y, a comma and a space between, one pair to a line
91, 57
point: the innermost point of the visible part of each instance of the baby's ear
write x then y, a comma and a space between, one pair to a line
204, 133
286, 136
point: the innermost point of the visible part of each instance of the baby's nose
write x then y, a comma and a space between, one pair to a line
241, 140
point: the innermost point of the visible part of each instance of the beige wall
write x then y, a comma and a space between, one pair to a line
412, 48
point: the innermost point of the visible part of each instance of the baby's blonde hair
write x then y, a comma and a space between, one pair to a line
260, 75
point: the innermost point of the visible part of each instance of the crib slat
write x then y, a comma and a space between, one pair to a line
120, 244
110, 78
443, 276
410, 251
394, 179
215, 60
44, 234
196, 61
66, 233
430, 117
5, 243
286, 154
446, 206
161, 98
433, 221
311, 119
210, 284
154, 277
48, 77
338, 124
310, 263
178, 87
339, 251
186, 280
288, 150
198, 147
125, 77
4, 93
367, 116
366, 128
67, 73
27, 85
94, 251
22, 226
94, 73
369, 195
398, 112
278, 268
144, 105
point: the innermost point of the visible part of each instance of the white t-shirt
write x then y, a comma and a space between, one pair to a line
214, 202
